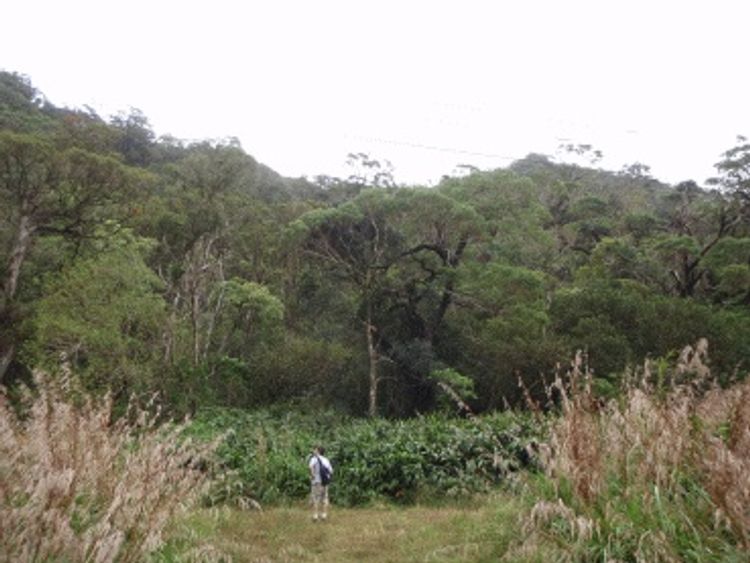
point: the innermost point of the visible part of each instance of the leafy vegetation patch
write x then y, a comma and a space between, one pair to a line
430, 457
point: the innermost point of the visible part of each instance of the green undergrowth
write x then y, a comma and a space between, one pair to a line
425, 459
677, 524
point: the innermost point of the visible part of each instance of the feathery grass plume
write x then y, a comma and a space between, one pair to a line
643, 438
578, 457
545, 512
657, 469
77, 485
726, 464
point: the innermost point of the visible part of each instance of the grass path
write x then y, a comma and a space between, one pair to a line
478, 533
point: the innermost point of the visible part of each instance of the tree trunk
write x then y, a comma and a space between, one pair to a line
194, 320
6, 359
21, 246
24, 236
214, 315
372, 353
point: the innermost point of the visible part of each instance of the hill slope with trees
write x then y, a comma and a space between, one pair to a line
150, 264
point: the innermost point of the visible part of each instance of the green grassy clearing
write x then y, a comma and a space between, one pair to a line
487, 530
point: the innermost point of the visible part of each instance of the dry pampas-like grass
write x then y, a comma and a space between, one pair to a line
78, 485
726, 464
653, 436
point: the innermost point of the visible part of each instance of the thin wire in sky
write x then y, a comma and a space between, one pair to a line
432, 147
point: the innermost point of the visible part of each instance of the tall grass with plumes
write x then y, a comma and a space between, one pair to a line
76, 484
660, 474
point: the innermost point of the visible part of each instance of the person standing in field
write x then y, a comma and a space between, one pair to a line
321, 472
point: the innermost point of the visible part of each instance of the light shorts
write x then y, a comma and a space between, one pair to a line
319, 494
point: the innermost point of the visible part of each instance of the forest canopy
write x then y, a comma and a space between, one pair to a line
150, 264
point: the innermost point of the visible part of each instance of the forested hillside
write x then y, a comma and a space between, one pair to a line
148, 264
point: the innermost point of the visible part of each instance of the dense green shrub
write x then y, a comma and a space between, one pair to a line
620, 323
429, 457
423, 458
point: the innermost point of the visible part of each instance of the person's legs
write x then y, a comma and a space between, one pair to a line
317, 495
324, 502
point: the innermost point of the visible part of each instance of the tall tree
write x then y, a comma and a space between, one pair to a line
50, 192
734, 179
357, 245
395, 250
697, 222
734, 170
136, 138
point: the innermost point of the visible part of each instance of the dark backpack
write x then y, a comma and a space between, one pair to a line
325, 473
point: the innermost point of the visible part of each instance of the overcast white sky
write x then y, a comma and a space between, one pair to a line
427, 85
